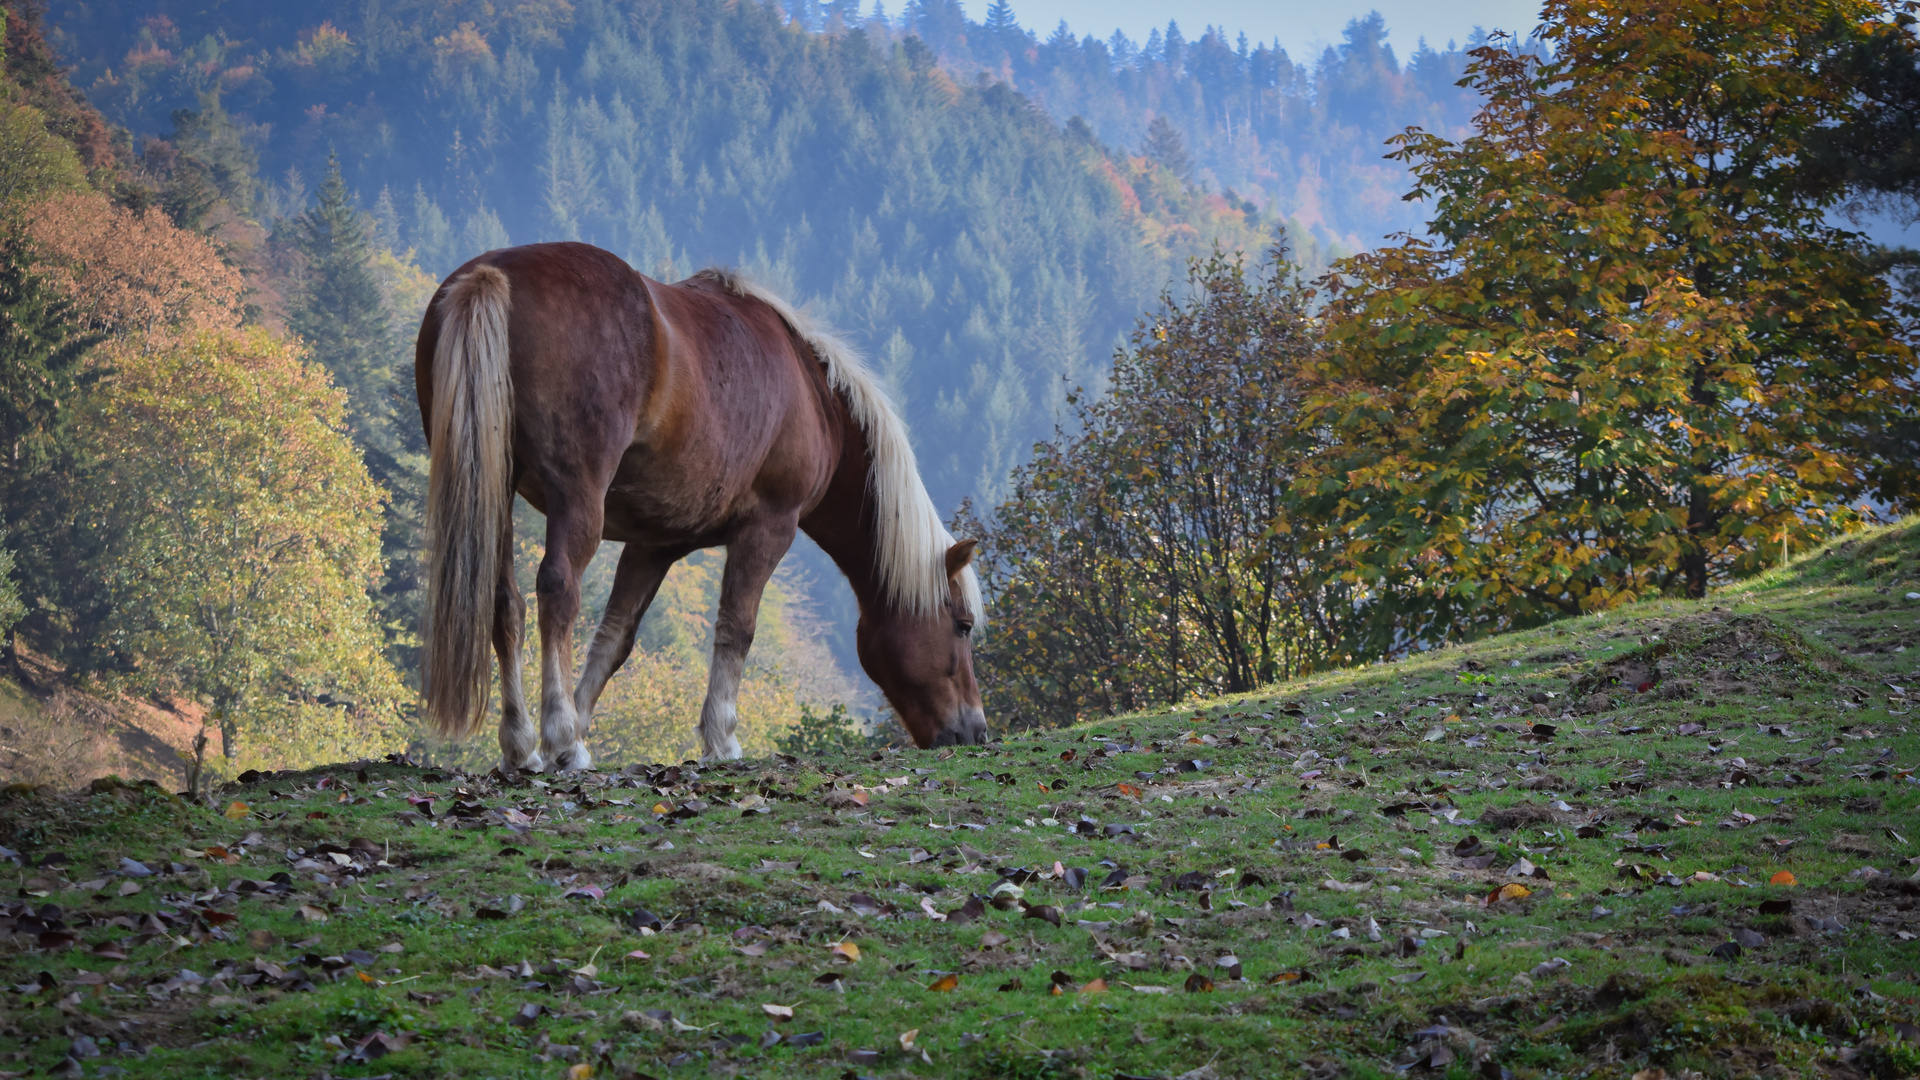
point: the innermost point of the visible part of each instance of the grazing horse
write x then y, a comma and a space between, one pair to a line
671, 418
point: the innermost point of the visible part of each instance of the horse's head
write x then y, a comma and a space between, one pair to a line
924, 662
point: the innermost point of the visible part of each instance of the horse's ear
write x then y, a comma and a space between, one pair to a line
960, 556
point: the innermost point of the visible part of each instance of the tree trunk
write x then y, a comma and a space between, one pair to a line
229, 729
1694, 561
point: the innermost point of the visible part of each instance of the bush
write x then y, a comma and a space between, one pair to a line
834, 731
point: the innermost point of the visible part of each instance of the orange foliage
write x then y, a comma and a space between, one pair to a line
465, 46
131, 272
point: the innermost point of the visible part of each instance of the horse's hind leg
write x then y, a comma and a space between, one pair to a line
752, 558
573, 533
634, 585
519, 742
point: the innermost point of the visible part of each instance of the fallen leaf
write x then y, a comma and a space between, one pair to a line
237, 810
944, 983
907, 1038
845, 952
309, 913
1097, 986
1043, 911
1199, 984
1784, 877
780, 1013
1509, 891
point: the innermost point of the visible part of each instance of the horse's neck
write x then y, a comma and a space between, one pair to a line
843, 523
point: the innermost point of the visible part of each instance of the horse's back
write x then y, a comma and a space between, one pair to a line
683, 405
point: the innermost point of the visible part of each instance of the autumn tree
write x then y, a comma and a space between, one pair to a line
1634, 354
1151, 554
130, 272
244, 537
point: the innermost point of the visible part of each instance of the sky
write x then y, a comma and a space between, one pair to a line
1303, 27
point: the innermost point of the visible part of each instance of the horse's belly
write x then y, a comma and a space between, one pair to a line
673, 500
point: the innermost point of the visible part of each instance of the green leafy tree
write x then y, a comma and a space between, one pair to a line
33, 161
1634, 355
1153, 554
243, 532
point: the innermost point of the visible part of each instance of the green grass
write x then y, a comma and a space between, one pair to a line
1770, 700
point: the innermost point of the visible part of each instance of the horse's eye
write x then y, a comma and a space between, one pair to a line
965, 628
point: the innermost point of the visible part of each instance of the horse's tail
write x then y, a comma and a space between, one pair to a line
469, 504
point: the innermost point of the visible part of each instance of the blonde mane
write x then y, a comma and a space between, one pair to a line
911, 544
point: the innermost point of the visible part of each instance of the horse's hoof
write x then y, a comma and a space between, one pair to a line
534, 763
574, 758
728, 751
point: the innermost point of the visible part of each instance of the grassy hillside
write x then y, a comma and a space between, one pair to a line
1675, 840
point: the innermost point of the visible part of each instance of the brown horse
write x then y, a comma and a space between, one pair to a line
671, 418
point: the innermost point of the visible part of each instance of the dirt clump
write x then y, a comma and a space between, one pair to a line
1517, 816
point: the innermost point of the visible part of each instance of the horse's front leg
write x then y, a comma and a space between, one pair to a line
573, 534
752, 558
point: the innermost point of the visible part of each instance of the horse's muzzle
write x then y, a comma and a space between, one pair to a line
968, 728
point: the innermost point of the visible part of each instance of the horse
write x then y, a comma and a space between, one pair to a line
671, 418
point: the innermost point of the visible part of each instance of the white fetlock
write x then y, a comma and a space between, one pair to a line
574, 758
728, 751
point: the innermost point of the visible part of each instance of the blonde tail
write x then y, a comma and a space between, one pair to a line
468, 501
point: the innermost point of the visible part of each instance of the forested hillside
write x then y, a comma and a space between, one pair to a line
1299, 135
210, 473
984, 246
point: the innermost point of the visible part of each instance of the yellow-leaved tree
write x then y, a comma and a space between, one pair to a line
1635, 354
243, 534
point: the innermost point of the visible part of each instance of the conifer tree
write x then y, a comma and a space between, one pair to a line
1165, 146
340, 309
40, 376
40, 370
1000, 18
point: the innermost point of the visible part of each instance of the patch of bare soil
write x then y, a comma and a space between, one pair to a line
54, 733
1706, 657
